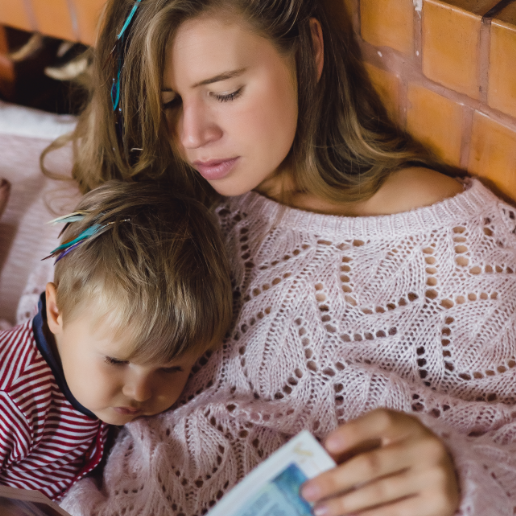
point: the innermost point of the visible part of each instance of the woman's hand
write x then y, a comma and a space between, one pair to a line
389, 464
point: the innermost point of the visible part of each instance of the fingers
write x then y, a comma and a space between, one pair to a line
422, 492
389, 462
407, 507
366, 467
382, 425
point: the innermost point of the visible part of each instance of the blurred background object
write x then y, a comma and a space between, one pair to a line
38, 71
39, 43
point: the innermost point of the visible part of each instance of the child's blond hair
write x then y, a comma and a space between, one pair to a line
159, 272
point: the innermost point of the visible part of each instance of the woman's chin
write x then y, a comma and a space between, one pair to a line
230, 188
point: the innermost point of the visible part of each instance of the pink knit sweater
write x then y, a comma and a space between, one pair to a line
336, 316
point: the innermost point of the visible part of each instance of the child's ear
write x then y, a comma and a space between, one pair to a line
54, 319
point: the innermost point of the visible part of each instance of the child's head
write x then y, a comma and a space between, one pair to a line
133, 309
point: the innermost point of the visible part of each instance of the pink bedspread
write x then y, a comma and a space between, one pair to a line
25, 238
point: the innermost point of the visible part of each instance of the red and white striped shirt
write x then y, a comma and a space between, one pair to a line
47, 440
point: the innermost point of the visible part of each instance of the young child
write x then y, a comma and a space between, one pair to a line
141, 291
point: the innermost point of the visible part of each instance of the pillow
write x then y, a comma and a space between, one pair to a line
32, 123
25, 236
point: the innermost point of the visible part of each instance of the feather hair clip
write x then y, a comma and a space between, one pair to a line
88, 234
76, 216
119, 51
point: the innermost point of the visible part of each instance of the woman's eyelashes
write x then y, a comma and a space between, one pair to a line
220, 97
176, 101
227, 97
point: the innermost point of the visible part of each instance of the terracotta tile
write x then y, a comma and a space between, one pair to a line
387, 86
388, 23
451, 38
501, 93
493, 153
479, 7
88, 13
14, 14
53, 18
435, 121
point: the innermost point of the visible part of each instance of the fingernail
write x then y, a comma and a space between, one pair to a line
320, 510
310, 492
334, 443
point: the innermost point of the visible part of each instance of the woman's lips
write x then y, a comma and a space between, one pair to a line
215, 169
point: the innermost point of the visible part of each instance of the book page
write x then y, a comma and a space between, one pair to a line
272, 488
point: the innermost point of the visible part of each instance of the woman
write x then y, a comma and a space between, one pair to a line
374, 295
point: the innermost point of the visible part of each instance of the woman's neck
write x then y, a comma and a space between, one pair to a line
404, 190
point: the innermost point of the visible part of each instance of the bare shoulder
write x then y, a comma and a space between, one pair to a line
412, 188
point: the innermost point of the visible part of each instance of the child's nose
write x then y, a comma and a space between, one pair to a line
138, 388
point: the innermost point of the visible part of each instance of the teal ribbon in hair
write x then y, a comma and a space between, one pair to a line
115, 89
129, 18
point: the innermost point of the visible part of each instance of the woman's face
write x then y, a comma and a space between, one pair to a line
231, 104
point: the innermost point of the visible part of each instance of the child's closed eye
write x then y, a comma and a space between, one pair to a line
173, 369
114, 361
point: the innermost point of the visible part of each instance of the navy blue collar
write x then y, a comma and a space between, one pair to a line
40, 329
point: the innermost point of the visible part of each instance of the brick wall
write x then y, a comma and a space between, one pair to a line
446, 70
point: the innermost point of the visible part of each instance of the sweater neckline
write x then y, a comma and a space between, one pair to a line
451, 211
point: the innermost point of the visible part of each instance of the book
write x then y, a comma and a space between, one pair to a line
272, 488
21, 502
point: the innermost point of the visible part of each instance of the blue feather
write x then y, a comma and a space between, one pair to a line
76, 216
87, 233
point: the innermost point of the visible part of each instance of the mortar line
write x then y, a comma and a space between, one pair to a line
496, 9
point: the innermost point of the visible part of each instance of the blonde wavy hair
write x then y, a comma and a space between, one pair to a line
345, 145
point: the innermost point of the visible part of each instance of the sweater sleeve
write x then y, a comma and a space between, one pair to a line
485, 454
485, 465
15, 434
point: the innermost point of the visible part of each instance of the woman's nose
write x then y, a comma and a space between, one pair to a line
138, 388
196, 128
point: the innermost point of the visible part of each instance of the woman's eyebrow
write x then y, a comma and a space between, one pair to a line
217, 78
220, 77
